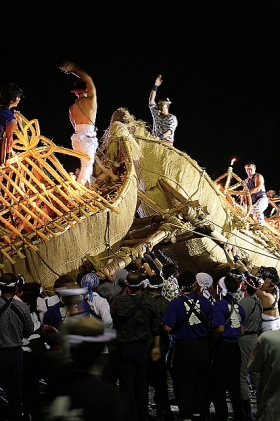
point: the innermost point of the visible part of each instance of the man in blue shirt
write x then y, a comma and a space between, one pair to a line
228, 323
187, 318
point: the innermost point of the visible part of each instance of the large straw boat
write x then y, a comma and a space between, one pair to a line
146, 193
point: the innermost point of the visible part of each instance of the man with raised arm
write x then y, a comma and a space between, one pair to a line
82, 116
164, 123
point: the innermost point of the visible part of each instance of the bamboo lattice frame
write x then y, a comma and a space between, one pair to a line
39, 199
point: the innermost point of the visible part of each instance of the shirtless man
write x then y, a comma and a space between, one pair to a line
82, 116
164, 124
268, 293
255, 184
10, 96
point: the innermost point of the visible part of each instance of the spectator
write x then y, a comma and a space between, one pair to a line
15, 324
265, 359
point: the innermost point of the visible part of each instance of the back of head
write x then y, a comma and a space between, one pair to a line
86, 340
9, 93
155, 282
8, 283
134, 280
169, 269
90, 281
62, 281
186, 280
79, 86
231, 284
30, 293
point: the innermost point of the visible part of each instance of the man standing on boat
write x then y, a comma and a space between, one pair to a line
255, 184
10, 96
164, 123
82, 116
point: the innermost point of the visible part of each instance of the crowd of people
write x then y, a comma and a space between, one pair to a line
99, 343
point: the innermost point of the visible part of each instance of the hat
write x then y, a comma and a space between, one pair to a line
204, 280
167, 100
90, 281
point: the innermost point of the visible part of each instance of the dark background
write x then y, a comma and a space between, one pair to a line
219, 61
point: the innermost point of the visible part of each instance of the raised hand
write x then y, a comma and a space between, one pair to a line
158, 80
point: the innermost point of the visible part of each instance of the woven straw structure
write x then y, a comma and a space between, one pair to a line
49, 222
163, 162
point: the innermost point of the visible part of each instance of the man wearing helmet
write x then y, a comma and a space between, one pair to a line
82, 116
164, 123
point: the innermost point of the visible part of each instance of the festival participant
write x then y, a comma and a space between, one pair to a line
265, 359
78, 394
228, 324
253, 309
157, 370
164, 123
99, 306
15, 324
82, 116
10, 96
255, 184
170, 288
188, 318
137, 322
268, 293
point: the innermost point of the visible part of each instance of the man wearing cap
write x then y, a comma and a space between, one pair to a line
82, 116
164, 123
15, 324
137, 321
10, 95
255, 184
188, 318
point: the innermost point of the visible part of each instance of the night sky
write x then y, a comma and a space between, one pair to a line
219, 60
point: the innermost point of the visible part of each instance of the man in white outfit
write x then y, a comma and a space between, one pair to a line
82, 116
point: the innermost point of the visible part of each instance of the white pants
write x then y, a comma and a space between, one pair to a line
258, 209
270, 323
84, 140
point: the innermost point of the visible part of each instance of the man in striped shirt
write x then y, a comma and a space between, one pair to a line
164, 123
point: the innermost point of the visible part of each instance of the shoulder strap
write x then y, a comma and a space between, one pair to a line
199, 314
6, 305
10, 304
